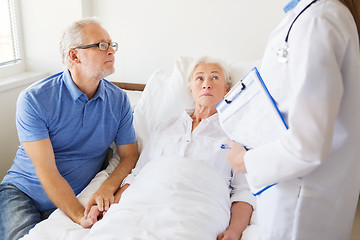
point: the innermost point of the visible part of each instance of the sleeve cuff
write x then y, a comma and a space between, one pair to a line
243, 196
128, 180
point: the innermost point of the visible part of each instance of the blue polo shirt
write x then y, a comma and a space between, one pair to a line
80, 131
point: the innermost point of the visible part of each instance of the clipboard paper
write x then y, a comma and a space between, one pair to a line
249, 116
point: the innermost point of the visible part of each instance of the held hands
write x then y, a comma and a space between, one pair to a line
96, 208
103, 198
235, 156
94, 212
92, 217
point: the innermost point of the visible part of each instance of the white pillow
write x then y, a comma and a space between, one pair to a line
134, 97
166, 96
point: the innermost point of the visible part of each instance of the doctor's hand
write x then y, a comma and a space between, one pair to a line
235, 156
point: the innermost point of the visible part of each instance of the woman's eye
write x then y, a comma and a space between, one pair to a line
199, 78
215, 77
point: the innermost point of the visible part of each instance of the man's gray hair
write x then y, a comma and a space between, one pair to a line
73, 37
223, 65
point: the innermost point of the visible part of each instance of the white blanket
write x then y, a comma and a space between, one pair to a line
171, 198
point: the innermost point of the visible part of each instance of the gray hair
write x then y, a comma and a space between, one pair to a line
222, 64
73, 37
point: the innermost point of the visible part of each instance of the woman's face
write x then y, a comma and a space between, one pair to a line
208, 85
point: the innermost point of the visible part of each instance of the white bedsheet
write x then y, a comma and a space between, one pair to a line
186, 203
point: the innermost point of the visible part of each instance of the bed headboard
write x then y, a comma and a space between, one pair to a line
130, 86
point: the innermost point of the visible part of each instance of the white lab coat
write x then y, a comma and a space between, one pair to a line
316, 163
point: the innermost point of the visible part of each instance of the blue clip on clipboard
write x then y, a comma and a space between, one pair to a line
248, 114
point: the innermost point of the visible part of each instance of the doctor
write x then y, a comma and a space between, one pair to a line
312, 68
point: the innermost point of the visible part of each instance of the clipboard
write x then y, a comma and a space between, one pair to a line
248, 114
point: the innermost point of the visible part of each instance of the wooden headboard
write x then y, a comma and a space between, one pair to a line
130, 86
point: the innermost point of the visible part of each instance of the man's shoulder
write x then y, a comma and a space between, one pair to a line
112, 88
114, 94
45, 86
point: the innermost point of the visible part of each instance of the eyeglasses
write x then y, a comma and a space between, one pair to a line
103, 46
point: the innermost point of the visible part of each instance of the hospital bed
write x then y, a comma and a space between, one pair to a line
164, 96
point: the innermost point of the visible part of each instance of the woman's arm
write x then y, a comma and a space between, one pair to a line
120, 192
240, 218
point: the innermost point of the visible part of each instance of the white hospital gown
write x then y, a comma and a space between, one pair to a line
175, 138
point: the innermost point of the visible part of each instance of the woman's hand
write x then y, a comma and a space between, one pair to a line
229, 235
92, 217
235, 156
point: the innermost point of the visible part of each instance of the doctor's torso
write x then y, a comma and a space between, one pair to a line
318, 92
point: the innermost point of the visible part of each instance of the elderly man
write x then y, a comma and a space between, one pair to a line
66, 124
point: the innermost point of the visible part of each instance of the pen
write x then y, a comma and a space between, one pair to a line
225, 146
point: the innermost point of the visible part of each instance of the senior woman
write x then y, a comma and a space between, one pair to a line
196, 135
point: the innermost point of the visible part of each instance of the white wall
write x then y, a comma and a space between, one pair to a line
151, 34
8, 135
42, 24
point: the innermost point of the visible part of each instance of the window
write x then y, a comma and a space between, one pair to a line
9, 45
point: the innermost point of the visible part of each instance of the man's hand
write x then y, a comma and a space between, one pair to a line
235, 156
102, 199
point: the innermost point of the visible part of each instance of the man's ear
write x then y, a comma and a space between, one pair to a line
73, 54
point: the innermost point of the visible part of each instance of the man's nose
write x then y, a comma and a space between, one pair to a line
110, 50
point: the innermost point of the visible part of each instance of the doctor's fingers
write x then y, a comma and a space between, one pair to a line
233, 144
235, 158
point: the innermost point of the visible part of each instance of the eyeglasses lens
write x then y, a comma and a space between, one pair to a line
114, 45
104, 46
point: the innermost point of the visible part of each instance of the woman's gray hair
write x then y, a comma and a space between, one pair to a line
222, 64
73, 37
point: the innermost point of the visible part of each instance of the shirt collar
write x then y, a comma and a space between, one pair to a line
291, 5
189, 112
100, 93
75, 91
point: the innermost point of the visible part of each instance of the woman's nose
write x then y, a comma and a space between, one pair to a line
206, 84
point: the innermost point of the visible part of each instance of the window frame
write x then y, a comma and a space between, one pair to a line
19, 66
